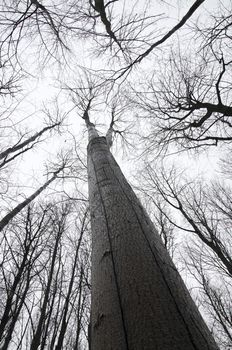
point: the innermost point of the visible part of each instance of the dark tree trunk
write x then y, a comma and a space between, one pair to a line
9, 305
64, 322
139, 300
8, 217
36, 341
16, 313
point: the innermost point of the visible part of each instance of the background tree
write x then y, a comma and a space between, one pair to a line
39, 298
205, 219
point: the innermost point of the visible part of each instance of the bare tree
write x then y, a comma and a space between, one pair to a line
70, 288
205, 213
134, 281
59, 226
188, 107
213, 293
127, 253
22, 146
186, 100
27, 19
6, 219
39, 303
17, 268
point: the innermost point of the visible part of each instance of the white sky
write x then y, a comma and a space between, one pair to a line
42, 88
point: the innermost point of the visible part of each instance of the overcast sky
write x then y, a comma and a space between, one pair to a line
45, 81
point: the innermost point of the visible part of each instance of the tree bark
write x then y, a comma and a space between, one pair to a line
139, 300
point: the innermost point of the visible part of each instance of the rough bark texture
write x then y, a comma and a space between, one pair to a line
139, 301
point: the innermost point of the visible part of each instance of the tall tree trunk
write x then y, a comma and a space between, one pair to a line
56, 290
12, 293
8, 217
64, 322
16, 313
139, 300
21, 146
80, 311
36, 341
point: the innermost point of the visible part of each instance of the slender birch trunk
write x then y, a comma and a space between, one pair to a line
139, 301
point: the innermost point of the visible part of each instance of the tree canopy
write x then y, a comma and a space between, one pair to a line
157, 76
